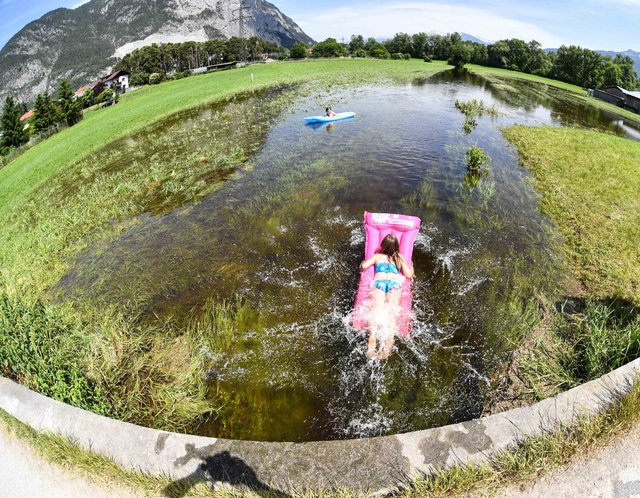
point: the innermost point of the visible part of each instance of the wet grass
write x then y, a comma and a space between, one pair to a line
500, 80
151, 375
151, 172
472, 109
589, 183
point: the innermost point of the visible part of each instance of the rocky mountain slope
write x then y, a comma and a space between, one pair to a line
82, 44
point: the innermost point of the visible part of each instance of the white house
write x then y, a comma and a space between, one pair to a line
119, 79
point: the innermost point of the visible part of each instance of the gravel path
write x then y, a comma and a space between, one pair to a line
609, 472
24, 474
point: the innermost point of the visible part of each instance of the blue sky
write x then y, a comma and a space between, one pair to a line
595, 24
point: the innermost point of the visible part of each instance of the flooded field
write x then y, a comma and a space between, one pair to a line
279, 226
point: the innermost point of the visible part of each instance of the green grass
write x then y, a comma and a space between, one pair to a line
500, 78
150, 375
589, 184
587, 342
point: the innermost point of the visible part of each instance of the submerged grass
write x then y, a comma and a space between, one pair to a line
151, 375
500, 79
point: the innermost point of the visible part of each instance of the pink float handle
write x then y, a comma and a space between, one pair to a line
377, 226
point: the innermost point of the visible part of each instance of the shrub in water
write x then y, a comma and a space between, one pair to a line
477, 160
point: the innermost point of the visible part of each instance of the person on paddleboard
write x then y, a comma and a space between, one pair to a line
330, 113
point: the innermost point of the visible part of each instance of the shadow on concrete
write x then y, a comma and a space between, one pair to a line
221, 467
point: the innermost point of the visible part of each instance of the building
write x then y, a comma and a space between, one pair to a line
27, 115
96, 87
620, 97
118, 81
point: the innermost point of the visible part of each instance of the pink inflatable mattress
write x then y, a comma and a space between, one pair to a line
377, 226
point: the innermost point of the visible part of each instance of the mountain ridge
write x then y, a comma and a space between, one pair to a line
82, 44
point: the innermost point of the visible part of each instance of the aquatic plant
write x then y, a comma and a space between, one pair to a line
477, 160
472, 109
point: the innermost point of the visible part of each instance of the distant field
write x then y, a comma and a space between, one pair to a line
151, 103
580, 92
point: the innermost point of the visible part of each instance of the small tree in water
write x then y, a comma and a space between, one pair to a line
477, 160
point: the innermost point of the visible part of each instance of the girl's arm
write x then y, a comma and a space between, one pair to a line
366, 264
406, 270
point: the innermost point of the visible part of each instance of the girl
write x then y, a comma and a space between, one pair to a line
390, 271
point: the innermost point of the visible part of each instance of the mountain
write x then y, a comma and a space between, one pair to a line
82, 44
475, 39
631, 53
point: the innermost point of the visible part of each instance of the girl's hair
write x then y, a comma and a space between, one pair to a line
327, 109
391, 247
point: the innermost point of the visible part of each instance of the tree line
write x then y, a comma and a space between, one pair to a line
48, 116
178, 58
572, 64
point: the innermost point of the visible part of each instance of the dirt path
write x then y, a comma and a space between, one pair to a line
24, 474
609, 472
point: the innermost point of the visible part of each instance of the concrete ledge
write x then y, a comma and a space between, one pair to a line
361, 464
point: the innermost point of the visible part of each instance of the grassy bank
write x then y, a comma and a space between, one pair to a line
589, 184
501, 77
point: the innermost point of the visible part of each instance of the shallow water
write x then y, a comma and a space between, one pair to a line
287, 236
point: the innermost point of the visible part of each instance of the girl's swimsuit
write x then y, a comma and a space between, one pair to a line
386, 285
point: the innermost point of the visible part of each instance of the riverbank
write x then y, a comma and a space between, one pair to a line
501, 77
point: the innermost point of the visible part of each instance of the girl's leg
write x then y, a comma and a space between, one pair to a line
377, 307
393, 308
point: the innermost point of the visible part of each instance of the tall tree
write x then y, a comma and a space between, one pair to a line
71, 108
298, 51
629, 77
13, 132
460, 55
356, 43
45, 113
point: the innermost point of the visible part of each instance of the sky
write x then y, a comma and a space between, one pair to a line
594, 24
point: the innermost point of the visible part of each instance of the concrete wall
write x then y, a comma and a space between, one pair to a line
372, 464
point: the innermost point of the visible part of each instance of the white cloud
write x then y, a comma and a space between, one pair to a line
376, 20
82, 2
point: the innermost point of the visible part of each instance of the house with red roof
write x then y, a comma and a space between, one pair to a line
27, 115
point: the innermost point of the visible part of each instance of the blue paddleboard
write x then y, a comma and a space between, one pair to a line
327, 119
